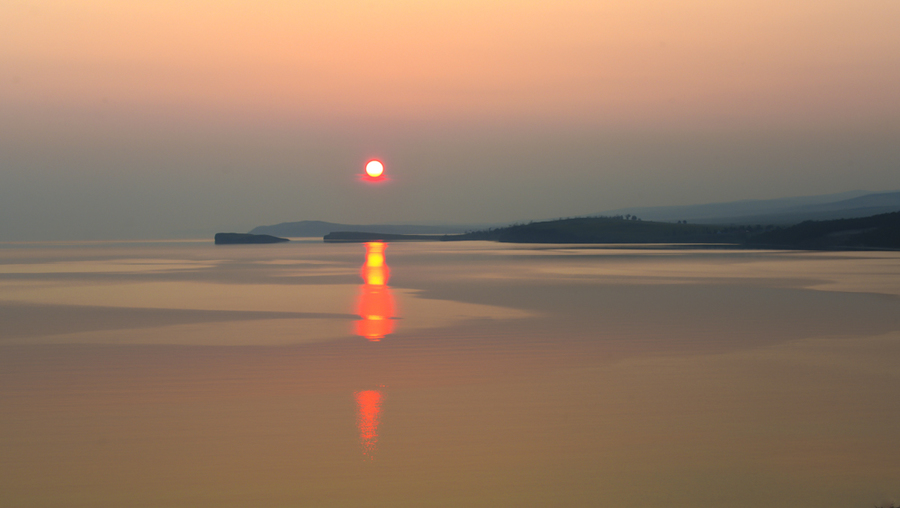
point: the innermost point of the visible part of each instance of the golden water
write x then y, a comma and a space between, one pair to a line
469, 374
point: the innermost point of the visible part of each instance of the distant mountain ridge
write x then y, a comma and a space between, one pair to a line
783, 211
316, 228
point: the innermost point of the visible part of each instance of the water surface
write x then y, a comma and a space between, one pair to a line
433, 374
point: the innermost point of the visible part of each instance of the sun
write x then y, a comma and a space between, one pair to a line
374, 168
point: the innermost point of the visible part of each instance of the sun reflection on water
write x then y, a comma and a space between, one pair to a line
375, 305
368, 417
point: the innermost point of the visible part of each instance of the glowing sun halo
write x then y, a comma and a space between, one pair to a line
374, 168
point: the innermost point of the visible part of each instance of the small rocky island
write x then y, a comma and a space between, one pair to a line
246, 238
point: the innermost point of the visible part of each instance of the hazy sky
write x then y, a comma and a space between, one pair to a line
158, 118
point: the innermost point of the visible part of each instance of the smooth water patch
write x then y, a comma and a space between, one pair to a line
447, 375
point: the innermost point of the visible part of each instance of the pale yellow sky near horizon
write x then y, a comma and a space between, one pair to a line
107, 94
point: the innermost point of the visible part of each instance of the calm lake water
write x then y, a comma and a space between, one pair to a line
183, 374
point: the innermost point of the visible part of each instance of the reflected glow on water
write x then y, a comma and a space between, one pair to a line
368, 416
376, 309
375, 306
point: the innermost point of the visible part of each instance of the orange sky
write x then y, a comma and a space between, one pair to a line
643, 62
487, 111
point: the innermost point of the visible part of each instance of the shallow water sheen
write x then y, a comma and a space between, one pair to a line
433, 374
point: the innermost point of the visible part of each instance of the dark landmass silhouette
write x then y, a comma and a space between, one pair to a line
627, 229
744, 223
245, 238
878, 231
875, 232
578, 230
780, 212
783, 211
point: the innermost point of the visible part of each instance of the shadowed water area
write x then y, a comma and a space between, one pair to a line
432, 374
